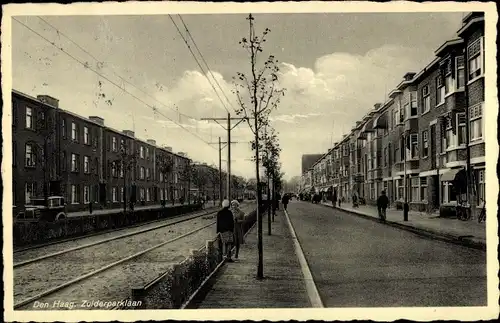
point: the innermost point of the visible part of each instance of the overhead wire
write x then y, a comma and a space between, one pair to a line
109, 80
197, 62
123, 80
205, 62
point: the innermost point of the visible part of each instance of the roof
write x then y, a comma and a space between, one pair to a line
446, 45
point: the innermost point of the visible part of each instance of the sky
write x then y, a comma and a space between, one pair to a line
334, 68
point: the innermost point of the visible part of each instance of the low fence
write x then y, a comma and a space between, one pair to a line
29, 233
174, 287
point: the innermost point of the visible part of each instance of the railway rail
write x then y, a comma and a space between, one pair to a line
118, 262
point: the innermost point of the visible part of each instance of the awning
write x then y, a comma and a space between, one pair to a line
380, 122
368, 127
450, 175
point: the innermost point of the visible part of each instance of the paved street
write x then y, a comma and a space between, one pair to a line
356, 262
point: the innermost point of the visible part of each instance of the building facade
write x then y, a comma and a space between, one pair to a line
57, 152
414, 145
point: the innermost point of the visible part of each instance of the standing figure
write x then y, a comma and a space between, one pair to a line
239, 220
225, 227
382, 203
334, 198
285, 201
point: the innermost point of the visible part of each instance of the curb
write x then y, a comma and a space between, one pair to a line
466, 241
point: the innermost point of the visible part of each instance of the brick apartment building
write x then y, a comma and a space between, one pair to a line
84, 160
414, 145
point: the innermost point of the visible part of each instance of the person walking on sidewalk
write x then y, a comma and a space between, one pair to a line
225, 227
285, 201
239, 219
334, 198
382, 203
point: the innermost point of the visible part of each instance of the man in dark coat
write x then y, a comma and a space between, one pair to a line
382, 203
285, 201
225, 227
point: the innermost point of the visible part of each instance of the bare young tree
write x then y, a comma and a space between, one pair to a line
258, 93
214, 179
165, 166
124, 164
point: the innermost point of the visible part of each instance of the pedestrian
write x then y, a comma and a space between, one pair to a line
285, 201
382, 203
334, 198
354, 201
340, 202
225, 227
278, 198
239, 221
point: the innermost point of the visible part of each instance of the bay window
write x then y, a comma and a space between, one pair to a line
413, 104
475, 60
448, 79
29, 118
476, 122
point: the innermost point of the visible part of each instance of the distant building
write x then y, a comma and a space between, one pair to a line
309, 160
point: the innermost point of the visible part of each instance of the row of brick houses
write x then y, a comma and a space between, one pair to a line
420, 132
85, 161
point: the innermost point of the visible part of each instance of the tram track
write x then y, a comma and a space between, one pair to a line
24, 258
56, 273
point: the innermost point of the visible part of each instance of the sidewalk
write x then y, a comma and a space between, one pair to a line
470, 233
236, 285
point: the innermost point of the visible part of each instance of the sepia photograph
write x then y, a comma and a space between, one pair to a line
278, 161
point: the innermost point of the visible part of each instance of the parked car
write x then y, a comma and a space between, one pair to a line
39, 209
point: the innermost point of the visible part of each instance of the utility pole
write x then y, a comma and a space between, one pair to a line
220, 143
228, 129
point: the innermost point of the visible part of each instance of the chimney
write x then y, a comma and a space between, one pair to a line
409, 76
47, 99
358, 123
129, 133
152, 142
182, 154
97, 119
377, 106
167, 148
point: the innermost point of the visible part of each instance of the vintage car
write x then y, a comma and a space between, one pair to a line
38, 209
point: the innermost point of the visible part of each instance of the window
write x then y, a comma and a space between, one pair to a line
74, 163
161, 194
64, 161
142, 152
29, 192
386, 157
86, 194
122, 145
142, 194
395, 117
414, 145
481, 186
423, 188
475, 58
372, 191
450, 137
113, 144
147, 173
402, 112
29, 118
148, 194
461, 125
74, 194
425, 143
460, 72
122, 166
147, 152
413, 104
440, 90
74, 132
448, 79
142, 173
415, 189
30, 158
426, 99
113, 168
114, 194
41, 123
448, 192
86, 164
476, 122
401, 192
86, 135
63, 128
